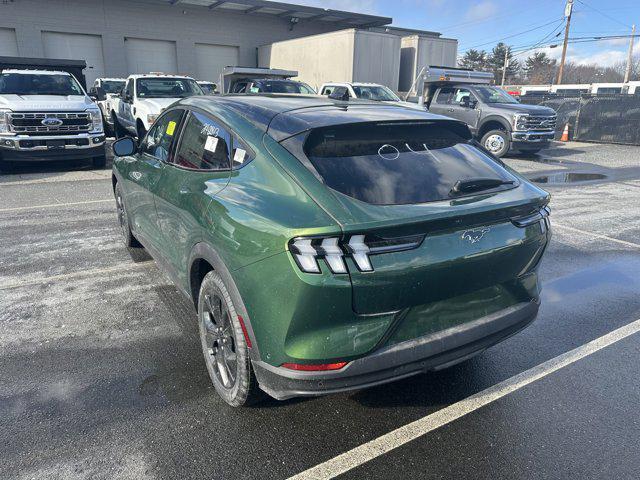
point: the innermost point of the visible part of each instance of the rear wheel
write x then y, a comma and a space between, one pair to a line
123, 220
223, 344
497, 142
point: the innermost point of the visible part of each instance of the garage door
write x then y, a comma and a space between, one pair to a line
144, 56
211, 59
8, 42
74, 46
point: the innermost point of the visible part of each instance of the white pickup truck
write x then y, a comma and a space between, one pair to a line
367, 91
103, 90
143, 99
46, 115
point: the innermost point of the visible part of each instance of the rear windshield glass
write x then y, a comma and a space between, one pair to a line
399, 163
283, 87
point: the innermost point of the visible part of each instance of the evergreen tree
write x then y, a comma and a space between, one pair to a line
474, 60
496, 63
540, 68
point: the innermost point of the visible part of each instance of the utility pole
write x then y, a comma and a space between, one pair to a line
506, 64
568, 10
627, 72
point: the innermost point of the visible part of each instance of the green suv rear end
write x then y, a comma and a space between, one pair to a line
331, 246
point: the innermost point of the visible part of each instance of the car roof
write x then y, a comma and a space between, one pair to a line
35, 72
283, 116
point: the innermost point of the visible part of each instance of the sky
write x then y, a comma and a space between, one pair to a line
481, 24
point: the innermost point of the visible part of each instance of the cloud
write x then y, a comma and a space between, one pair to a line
600, 58
481, 11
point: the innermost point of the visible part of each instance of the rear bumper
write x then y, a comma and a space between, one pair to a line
432, 352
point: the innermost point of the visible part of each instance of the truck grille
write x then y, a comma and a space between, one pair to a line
543, 123
32, 123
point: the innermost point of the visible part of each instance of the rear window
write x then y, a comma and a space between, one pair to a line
399, 163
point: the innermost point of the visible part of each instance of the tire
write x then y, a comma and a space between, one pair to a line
123, 219
118, 130
99, 162
497, 142
223, 344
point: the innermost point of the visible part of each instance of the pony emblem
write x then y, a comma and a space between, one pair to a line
474, 236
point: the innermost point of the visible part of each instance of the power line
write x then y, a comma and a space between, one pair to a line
604, 14
556, 21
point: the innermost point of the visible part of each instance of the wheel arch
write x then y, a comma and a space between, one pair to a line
204, 259
493, 123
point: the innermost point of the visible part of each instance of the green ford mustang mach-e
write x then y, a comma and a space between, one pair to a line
331, 245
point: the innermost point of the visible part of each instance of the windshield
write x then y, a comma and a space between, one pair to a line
375, 92
280, 86
112, 86
39, 84
400, 163
494, 95
167, 88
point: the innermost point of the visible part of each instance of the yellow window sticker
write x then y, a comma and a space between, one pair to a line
171, 127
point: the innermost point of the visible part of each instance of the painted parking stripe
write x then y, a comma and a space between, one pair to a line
597, 235
67, 276
53, 205
396, 438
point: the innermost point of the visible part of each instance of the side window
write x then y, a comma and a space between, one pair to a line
340, 91
327, 91
255, 88
204, 145
158, 141
241, 154
461, 93
240, 87
129, 88
445, 95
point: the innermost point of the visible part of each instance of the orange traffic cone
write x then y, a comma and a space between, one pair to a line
565, 134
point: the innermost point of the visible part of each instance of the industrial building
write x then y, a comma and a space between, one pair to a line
195, 37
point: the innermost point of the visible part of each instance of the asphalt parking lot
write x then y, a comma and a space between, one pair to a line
103, 376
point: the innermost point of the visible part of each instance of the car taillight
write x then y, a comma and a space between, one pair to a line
333, 250
314, 368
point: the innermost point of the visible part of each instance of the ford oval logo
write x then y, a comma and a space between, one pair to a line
51, 122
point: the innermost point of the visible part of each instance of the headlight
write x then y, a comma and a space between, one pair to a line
96, 121
151, 119
4, 122
520, 121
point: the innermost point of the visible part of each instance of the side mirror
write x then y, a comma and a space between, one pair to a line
124, 147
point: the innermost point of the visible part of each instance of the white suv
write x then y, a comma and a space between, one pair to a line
366, 91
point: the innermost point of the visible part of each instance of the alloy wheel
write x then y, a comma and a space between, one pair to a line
219, 340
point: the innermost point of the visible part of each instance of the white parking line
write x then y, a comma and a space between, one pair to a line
52, 205
596, 235
396, 438
65, 276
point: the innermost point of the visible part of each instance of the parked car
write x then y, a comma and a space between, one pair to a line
272, 85
366, 91
103, 90
329, 246
209, 88
46, 115
144, 97
499, 122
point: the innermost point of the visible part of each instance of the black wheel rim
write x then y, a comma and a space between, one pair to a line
219, 340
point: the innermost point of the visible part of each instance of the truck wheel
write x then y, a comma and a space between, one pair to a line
223, 344
141, 132
497, 142
117, 128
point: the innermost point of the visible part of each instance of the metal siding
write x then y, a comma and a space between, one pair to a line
73, 46
377, 58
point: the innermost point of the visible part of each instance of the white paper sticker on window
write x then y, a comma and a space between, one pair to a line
238, 157
211, 144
